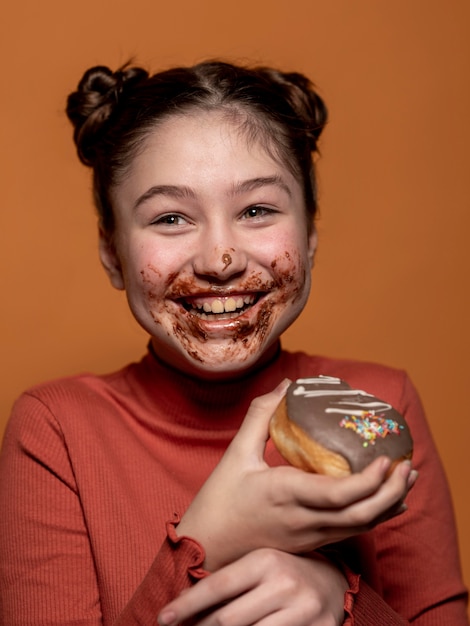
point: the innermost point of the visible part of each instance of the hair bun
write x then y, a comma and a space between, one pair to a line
307, 104
90, 106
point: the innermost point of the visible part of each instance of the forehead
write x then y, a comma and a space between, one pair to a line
226, 126
208, 143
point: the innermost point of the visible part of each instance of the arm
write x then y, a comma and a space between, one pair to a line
48, 573
418, 552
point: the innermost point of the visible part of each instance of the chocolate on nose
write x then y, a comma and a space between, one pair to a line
226, 260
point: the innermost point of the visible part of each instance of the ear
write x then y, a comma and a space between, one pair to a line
110, 261
312, 245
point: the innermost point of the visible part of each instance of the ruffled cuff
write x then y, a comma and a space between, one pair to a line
352, 579
189, 549
350, 595
362, 605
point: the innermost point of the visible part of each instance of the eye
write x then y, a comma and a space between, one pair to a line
170, 219
257, 211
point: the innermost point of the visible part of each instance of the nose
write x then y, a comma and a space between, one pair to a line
219, 257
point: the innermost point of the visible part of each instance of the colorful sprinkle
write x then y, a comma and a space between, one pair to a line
370, 426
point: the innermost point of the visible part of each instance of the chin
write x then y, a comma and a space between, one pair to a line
222, 362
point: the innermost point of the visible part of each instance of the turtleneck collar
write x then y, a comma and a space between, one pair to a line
198, 403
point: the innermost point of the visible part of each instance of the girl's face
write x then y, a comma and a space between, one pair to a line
211, 245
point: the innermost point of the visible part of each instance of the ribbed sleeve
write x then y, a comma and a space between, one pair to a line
64, 552
181, 559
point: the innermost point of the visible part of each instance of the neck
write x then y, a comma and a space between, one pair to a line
198, 402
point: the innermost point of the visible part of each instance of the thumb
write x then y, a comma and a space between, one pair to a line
254, 431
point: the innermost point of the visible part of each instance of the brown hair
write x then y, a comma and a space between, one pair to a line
113, 112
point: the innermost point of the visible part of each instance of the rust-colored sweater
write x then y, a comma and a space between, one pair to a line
95, 470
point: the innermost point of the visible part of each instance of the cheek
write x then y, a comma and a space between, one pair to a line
291, 271
150, 282
148, 271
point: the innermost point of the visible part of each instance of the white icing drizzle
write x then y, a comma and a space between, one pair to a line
372, 406
384, 406
375, 405
328, 380
312, 393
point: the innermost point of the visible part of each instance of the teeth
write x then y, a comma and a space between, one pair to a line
230, 305
217, 305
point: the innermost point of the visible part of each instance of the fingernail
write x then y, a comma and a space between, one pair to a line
403, 507
385, 463
282, 387
405, 468
412, 478
167, 618
399, 510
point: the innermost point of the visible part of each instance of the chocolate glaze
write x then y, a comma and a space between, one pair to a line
350, 422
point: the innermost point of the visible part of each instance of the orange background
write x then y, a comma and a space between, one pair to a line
391, 278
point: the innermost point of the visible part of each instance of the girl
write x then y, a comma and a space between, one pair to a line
120, 492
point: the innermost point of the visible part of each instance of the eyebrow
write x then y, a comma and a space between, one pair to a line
261, 181
181, 191
174, 191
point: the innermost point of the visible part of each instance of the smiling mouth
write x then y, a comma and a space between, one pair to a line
219, 308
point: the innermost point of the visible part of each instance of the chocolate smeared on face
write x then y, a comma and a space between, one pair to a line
264, 296
225, 320
226, 260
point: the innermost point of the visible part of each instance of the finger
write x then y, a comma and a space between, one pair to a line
394, 511
333, 524
339, 534
326, 492
225, 584
246, 609
254, 428
366, 513
412, 479
399, 507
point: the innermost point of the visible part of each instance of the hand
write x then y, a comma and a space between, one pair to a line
266, 583
245, 504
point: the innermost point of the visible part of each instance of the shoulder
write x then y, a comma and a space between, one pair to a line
70, 402
79, 386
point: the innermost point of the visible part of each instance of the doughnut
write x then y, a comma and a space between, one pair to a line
322, 425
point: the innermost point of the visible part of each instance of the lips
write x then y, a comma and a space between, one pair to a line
210, 307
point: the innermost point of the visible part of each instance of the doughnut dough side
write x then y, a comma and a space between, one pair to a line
300, 450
